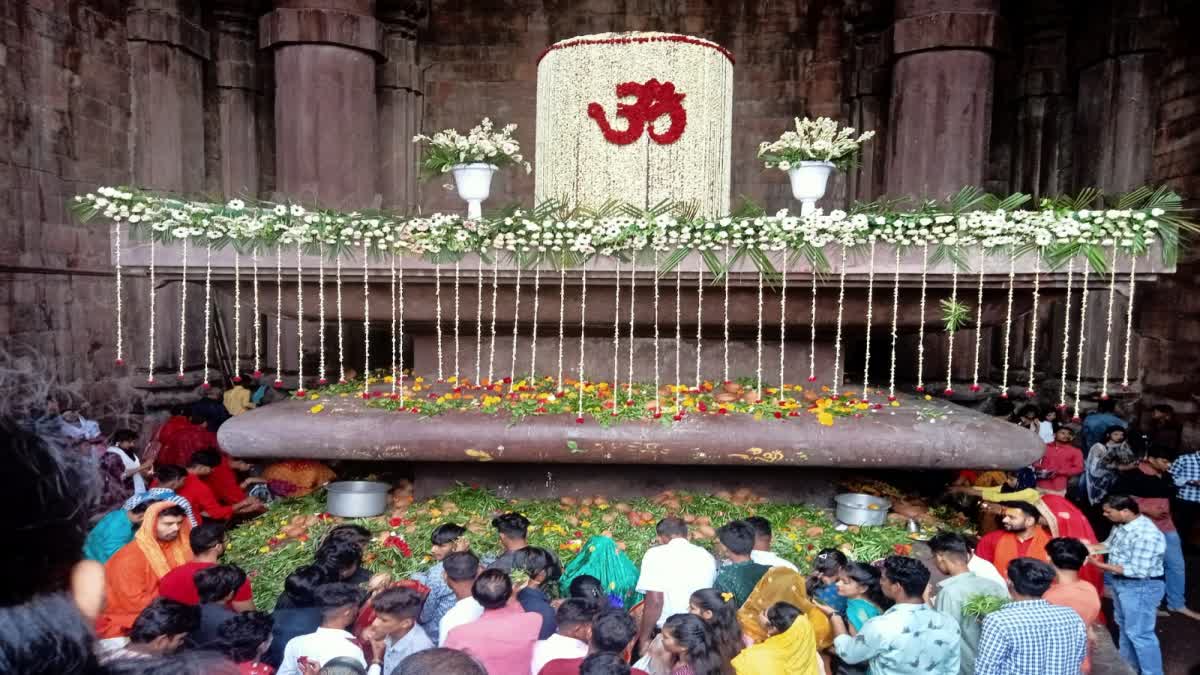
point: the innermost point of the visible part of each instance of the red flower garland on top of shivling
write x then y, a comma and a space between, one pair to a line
638, 40
653, 100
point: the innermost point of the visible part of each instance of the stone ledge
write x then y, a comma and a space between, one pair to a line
947, 30
152, 26
299, 26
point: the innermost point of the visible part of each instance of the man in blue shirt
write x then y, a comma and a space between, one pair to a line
1098, 422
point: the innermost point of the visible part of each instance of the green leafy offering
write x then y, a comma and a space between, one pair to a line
982, 604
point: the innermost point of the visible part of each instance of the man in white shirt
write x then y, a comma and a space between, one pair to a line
339, 605
460, 570
762, 553
671, 572
985, 569
574, 619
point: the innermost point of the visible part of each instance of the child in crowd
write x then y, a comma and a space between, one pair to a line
719, 612
446, 538
822, 584
858, 584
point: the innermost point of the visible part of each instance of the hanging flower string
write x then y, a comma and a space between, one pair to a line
183, 262
341, 334
457, 274
278, 315
537, 285
321, 379
1012, 263
367, 323
207, 311
870, 314
1066, 350
299, 321
725, 319
699, 323
237, 317
921, 320
1108, 323
582, 333
837, 340
978, 326
257, 318
657, 399
617, 333
116, 237
950, 331
562, 294
492, 342
512, 368
437, 296
478, 318
1033, 321
1083, 307
895, 333
782, 323
400, 328
150, 357
392, 332
1128, 324
632, 307
678, 338
812, 329
758, 343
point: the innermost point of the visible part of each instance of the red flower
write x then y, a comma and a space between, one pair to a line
677, 417
206, 385
258, 373
278, 384
793, 413
321, 382
578, 533
508, 380
628, 402
149, 380
414, 409
540, 409
721, 411
812, 378
921, 389
366, 396
394, 522
578, 420
1004, 394
891, 398
948, 392
119, 362
1030, 393
395, 397
701, 407
657, 415
300, 393
778, 415
975, 387
608, 405
458, 390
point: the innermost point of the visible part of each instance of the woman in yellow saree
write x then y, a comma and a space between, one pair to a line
781, 584
790, 649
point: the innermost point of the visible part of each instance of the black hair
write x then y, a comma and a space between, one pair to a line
726, 632
206, 536
337, 556
210, 458
909, 573
1112, 430
243, 634
46, 636
461, 566
173, 511
403, 603
512, 525
439, 661
492, 589
166, 473
302, 584
1029, 410
1107, 405
535, 561
179, 663
762, 526
575, 612
1031, 577
1122, 503
613, 630
671, 527
123, 436
1025, 507
867, 576
1164, 408
603, 663
587, 587
349, 532
333, 597
951, 544
693, 634
446, 533
782, 615
737, 536
142, 506
164, 617
217, 582
342, 665
1067, 553
829, 561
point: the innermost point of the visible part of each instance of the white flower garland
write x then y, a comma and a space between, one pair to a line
150, 358
478, 318
321, 379
299, 321
492, 343
437, 295
725, 320
400, 329
582, 335
812, 329
782, 323
366, 322
392, 332
837, 341
949, 391
921, 321
758, 342
562, 293
1066, 350
617, 332
207, 311
512, 368
678, 334
1128, 325
699, 323
278, 314
870, 315
116, 237
183, 309
1012, 262
257, 317
657, 400
978, 326
537, 287
341, 334
237, 316
632, 307
457, 274
895, 333
1108, 323
1083, 307
1033, 322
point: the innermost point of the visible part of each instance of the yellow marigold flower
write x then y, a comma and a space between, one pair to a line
826, 419
416, 387
316, 408
313, 397
343, 395
452, 379
586, 523
928, 397
895, 404
387, 378
419, 380
862, 406
265, 549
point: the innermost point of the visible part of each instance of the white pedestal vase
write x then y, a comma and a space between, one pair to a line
474, 183
808, 183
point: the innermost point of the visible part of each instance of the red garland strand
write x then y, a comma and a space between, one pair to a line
641, 40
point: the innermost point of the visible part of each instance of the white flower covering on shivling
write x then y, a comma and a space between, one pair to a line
576, 163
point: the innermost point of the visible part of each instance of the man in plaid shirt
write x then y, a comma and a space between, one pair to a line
1134, 576
1029, 636
1185, 470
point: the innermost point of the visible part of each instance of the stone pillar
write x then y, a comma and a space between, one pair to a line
401, 103
868, 110
1041, 160
941, 107
237, 89
326, 130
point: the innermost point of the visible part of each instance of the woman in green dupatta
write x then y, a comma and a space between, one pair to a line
600, 558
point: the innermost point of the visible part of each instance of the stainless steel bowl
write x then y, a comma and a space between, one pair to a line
858, 509
357, 498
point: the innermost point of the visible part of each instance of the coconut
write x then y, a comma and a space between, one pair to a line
751, 396
622, 507
725, 397
731, 387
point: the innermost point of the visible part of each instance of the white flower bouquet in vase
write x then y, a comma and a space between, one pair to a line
472, 158
810, 153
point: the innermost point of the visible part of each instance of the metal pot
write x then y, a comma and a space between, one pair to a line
859, 509
357, 498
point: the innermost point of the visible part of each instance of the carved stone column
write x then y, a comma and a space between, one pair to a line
326, 119
401, 102
1041, 160
868, 88
237, 89
941, 106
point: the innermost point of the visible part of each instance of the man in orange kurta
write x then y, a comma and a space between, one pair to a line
133, 572
1022, 537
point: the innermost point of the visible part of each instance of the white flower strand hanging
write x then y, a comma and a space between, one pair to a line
1108, 324
512, 368
617, 334
537, 287
150, 357
204, 384
1012, 264
116, 237
478, 319
278, 315
562, 294
1128, 324
921, 320
400, 328
657, 398
758, 344
182, 309
299, 321
392, 332
632, 307
782, 323
492, 342
812, 327
437, 296
237, 317
457, 275
678, 338
341, 334
699, 323
978, 326
1083, 307
366, 323
321, 379
949, 391
895, 334
870, 314
582, 335
725, 319
1033, 322
1066, 350
837, 340
257, 316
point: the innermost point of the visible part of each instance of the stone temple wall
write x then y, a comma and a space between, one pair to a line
234, 97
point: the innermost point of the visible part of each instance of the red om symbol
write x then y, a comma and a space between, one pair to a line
651, 101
